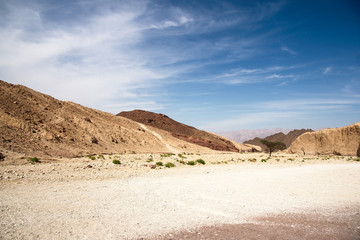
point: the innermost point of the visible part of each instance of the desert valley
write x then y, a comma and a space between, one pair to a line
71, 172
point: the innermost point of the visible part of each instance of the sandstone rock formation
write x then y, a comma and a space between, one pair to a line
184, 132
287, 139
35, 123
339, 141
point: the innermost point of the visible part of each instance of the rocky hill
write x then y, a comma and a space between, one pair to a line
35, 123
279, 137
184, 132
339, 141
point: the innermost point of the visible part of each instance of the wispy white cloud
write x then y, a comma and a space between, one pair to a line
114, 52
242, 75
91, 61
288, 50
327, 70
280, 76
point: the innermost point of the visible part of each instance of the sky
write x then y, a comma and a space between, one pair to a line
215, 65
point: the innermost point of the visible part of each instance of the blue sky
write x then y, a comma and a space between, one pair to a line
215, 65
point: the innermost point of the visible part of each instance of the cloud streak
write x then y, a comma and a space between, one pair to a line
327, 70
288, 50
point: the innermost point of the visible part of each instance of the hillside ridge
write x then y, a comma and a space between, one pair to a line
36, 123
182, 131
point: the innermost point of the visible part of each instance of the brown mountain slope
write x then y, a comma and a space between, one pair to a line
35, 123
344, 141
184, 132
279, 137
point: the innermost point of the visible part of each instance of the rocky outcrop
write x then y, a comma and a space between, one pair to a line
184, 132
338, 141
287, 139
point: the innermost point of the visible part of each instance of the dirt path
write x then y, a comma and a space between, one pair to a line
169, 147
157, 204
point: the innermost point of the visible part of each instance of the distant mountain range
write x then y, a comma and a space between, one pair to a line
243, 135
279, 137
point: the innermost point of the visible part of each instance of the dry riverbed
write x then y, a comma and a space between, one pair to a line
232, 196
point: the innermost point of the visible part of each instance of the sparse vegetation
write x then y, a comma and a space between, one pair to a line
200, 161
181, 156
169, 165
164, 155
91, 157
34, 160
191, 163
263, 160
116, 162
181, 161
101, 156
159, 164
150, 159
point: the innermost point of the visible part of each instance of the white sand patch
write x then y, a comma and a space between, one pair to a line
183, 198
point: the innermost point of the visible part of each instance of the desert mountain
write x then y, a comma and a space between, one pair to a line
279, 137
344, 141
184, 132
35, 123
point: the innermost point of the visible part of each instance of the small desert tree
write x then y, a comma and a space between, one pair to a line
273, 146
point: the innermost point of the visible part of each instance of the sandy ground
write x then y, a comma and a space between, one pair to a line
239, 198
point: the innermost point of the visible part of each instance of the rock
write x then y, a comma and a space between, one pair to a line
2, 157
341, 141
94, 140
152, 166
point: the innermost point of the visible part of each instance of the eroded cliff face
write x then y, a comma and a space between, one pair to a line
343, 141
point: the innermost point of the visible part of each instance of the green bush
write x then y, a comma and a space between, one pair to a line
200, 161
190, 163
34, 160
169, 165
116, 162
91, 157
159, 164
150, 159
166, 155
181, 156
101, 156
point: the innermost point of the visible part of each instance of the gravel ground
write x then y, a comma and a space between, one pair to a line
155, 204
